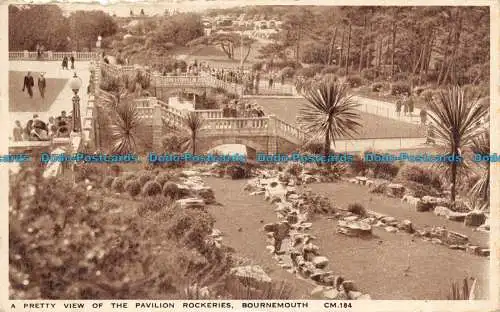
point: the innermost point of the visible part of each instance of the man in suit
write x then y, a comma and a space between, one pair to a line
42, 84
28, 84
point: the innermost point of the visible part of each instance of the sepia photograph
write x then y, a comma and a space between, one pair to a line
231, 151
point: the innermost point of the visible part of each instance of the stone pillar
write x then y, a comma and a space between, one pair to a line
157, 125
50, 55
26, 54
272, 140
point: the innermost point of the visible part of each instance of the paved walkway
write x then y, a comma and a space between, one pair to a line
63, 101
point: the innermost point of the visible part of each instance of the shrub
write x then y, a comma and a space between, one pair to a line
93, 172
379, 187
369, 74
151, 188
293, 168
162, 177
171, 190
354, 81
383, 170
153, 204
399, 88
358, 165
357, 209
257, 66
341, 72
332, 69
118, 184
129, 176
419, 175
428, 94
306, 72
144, 176
288, 72
107, 182
236, 172
377, 86
133, 187
313, 147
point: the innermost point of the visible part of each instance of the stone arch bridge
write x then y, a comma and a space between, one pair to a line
259, 135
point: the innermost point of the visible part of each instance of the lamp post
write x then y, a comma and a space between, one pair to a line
98, 47
75, 85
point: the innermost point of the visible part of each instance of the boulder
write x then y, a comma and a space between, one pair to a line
475, 218
331, 294
442, 211
320, 262
204, 192
423, 206
193, 203
354, 228
395, 190
251, 275
354, 295
455, 238
456, 216
317, 293
391, 229
406, 226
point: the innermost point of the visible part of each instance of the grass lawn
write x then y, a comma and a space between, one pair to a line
20, 101
373, 126
375, 265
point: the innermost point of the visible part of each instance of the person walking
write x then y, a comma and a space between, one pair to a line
28, 84
405, 103
423, 116
72, 60
42, 84
270, 81
399, 103
65, 63
411, 104
18, 131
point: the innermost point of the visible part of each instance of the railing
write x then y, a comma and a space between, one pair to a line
146, 112
290, 130
210, 113
173, 118
236, 123
51, 56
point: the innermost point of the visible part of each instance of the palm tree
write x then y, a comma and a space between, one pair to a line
124, 128
330, 113
456, 116
481, 189
194, 122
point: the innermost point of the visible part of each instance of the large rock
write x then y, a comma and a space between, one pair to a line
406, 226
193, 203
475, 218
395, 190
423, 206
354, 228
455, 238
442, 211
456, 216
320, 262
251, 275
204, 192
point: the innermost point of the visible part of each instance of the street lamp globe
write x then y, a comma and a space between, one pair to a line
75, 83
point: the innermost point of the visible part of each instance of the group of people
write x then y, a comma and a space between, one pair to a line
29, 84
236, 109
38, 130
65, 62
407, 103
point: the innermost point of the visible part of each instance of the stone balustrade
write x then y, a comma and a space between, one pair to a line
51, 55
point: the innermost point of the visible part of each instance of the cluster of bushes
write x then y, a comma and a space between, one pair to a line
419, 175
398, 88
379, 170
95, 254
354, 81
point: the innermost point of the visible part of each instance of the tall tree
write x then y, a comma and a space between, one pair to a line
330, 113
456, 115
